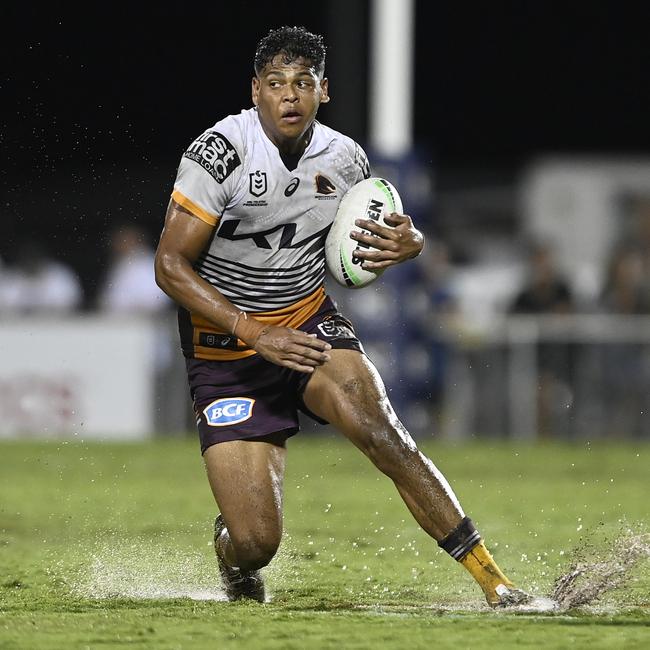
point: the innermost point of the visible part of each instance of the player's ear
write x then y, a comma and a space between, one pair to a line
324, 87
255, 89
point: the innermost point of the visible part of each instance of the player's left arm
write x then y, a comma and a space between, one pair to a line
390, 245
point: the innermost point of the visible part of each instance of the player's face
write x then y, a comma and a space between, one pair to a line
287, 96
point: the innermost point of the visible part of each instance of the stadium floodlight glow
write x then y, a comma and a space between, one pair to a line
391, 76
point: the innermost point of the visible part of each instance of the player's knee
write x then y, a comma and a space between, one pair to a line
256, 551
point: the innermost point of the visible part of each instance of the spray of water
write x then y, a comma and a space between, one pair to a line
138, 568
595, 572
150, 569
596, 568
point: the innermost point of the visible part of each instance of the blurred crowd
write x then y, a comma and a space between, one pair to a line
444, 303
35, 281
626, 279
422, 306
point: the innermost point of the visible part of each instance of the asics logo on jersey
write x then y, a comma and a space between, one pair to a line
288, 230
215, 154
257, 183
229, 410
324, 185
292, 187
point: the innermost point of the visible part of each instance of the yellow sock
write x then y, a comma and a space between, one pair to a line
485, 571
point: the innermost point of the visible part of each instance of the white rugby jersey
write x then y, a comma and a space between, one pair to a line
267, 255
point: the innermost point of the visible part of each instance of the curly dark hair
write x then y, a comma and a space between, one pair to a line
294, 43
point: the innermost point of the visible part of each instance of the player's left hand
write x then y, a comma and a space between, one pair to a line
390, 245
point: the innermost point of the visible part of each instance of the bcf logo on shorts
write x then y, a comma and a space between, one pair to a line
229, 410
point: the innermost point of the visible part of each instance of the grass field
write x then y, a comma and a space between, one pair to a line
108, 546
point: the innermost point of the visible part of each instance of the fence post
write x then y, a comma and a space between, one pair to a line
522, 335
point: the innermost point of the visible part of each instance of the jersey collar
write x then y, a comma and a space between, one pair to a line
319, 142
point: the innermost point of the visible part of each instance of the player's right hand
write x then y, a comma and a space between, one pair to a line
292, 348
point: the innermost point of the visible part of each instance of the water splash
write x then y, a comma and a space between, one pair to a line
145, 569
594, 573
151, 569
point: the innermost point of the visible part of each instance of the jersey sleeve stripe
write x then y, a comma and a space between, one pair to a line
196, 210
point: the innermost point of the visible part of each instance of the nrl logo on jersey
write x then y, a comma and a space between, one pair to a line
215, 154
257, 183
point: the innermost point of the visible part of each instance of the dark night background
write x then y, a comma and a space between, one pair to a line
98, 104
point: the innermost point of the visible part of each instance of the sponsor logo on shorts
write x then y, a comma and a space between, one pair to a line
215, 154
229, 410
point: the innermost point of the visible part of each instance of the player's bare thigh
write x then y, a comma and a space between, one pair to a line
348, 392
246, 477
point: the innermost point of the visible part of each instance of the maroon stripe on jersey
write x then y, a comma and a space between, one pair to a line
262, 270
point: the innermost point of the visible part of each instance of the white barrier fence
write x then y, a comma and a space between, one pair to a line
98, 377
89, 377
578, 376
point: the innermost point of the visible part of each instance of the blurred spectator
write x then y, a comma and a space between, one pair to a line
624, 291
36, 283
130, 288
546, 291
625, 367
638, 239
130, 285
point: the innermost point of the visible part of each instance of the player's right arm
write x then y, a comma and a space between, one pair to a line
183, 238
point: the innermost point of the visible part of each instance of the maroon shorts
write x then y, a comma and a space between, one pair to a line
252, 397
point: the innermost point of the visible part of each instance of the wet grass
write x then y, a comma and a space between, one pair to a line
108, 546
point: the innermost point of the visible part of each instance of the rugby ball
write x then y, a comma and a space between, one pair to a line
371, 198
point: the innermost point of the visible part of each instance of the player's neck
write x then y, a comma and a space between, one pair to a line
287, 146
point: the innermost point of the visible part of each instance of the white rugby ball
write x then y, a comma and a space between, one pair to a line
371, 198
